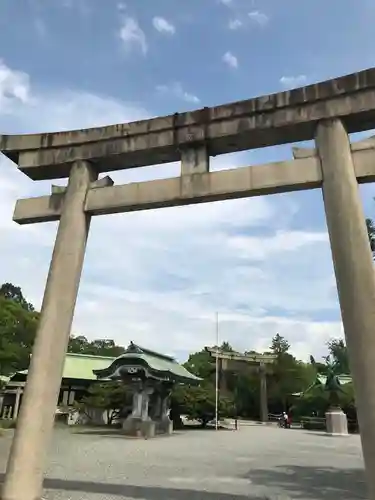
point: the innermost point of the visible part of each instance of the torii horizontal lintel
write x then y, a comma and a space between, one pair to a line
271, 178
368, 143
236, 356
268, 120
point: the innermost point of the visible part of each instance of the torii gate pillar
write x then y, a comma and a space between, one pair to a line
354, 269
24, 476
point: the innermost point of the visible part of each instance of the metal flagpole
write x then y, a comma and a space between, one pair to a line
217, 374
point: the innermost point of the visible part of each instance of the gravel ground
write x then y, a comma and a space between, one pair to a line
255, 462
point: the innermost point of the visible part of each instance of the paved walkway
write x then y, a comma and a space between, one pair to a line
256, 462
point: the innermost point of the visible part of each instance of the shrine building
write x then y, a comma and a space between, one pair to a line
150, 376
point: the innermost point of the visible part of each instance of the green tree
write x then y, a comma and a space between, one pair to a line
202, 365
18, 325
338, 353
198, 403
99, 347
78, 344
12, 292
287, 376
226, 347
246, 393
371, 233
106, 347
279, 345
110, 397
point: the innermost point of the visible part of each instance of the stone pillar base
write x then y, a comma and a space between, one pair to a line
336, 423
134, 426
165, 426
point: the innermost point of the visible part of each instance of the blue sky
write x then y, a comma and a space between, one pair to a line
158, 277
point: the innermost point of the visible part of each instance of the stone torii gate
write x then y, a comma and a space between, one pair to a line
234, 361
326, 112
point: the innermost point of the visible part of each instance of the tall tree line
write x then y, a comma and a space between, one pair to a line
18, 324
287, 376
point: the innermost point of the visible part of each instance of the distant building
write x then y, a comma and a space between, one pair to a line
77, 376
150, 376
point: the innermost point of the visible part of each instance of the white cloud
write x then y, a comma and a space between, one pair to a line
132, 35
258, 17
230, 59
178, 91
234, 24
284, 241
158, 277
14, 84
163, 26
290, 82
226, 2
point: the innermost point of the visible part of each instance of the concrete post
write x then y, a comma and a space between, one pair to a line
165, 423
145, 404
263, 393
157, 410
17, 403
223, 383
195, 160
164, 406
24, 475
72, 396
65, 398
137, 404
354, 271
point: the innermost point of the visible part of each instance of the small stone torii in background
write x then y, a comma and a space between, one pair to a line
325, 112
236, 362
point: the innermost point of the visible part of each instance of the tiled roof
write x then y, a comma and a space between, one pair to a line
155, 361
81, 366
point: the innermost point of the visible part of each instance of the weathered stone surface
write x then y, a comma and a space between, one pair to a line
37, 412
293, 175
253, 123
337, 423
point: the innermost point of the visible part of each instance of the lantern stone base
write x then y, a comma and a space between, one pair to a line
134, 426
165, 426
336, 422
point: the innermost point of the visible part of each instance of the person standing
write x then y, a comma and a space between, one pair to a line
286, 420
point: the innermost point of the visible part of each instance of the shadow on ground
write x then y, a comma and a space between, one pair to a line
114, 432
295, 482
329, 436
313, 483
141, 492
105, 431
118, 433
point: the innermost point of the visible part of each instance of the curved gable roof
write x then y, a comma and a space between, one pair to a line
156, 362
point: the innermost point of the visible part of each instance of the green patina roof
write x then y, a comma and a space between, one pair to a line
343, 379
90, 367
154, 360
81, 366
321, 380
